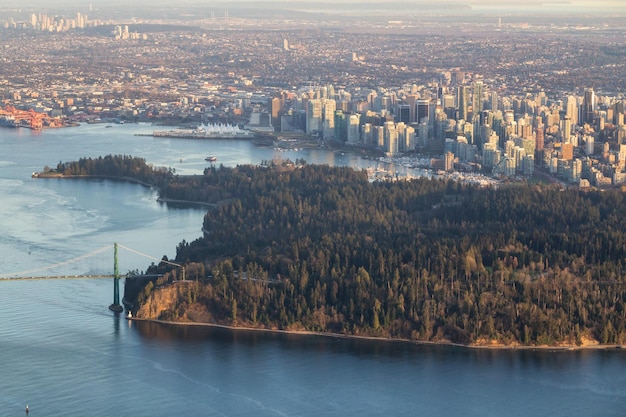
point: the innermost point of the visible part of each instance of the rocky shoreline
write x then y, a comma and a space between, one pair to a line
587, 344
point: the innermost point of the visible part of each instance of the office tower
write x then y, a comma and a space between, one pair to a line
313, 116
441, 123
493, 101
571, 109
409, 137
589, 106
477, 97
566, 130
447, 101
329, 119
463, 98
276, 110
411, 101
567, 151
589, 144
366, 133
285, 44
539, 138
422, 111
391, 138
403, 114
378, 136
618, 113
331, 91
458, 77
341, 126
449, 161
354, 122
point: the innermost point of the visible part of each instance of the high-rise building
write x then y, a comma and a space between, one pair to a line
539, 138
477, 97
422, 111
313, 116
354, 122
494, 101
411, 101
567, 151
276, 110
571, 109
403, 113
463, 99
330, 107
341, 126
566, 130
378, 136
366, 133
449, 161
589, 106
391, 138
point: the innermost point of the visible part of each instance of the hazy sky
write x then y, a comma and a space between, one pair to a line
521, 6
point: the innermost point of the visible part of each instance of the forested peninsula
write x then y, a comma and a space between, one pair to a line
315, 248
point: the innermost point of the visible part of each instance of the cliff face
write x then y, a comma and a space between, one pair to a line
175, 302
160, 301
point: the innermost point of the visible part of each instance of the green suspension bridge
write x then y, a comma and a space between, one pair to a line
33, 274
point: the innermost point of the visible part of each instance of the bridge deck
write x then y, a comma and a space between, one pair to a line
50, 277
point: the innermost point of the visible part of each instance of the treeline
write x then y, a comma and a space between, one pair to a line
321, 248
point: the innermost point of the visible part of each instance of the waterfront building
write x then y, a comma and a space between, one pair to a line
341, 127
313, 116
367, 134
378, 136
329, 119
354, 121
391, 139
448, 161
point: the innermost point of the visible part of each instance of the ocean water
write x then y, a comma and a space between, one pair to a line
64, 353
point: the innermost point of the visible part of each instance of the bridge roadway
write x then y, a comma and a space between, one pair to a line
50, 277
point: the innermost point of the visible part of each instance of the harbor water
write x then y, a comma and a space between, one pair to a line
64, 353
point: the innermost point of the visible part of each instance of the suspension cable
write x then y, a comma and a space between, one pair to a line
148, 256
68, 262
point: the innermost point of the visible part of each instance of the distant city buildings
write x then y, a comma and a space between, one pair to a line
301, 84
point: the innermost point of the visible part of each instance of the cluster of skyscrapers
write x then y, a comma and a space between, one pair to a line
578, 137
56, 23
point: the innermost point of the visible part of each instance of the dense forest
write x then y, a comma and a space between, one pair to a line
124, 167
323, 249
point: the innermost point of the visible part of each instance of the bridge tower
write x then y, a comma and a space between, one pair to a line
116, 306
